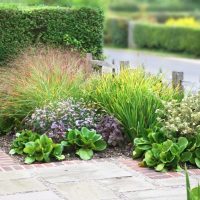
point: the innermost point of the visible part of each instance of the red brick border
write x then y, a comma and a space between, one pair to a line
7, 163
150, 173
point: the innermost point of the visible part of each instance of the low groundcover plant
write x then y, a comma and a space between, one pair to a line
177, 138
85, 141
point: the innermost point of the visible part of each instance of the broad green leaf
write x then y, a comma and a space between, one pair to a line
100, 145
197, 152
29, 148
85, 154
149, 159
160, 167
58, 149
12, 152
39, 157
195, 193
166, 157
182, 143
186, 156
137, 153
175, 150
85, 132
61, 157
96, 137
29, 160
197, 162
167, 145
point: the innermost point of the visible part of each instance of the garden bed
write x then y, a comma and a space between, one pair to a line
112, 152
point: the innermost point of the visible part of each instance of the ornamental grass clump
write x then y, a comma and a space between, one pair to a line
36, 78
132, 97
55, 119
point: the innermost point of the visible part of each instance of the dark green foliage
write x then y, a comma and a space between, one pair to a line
85, 141
19, 29
116, 32
21, 139
42, 149
36, 147
176, 39
194, 193
163, 152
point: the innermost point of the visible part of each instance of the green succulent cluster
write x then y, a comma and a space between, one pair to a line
42, 150
162, 153
20, 141
85, 141
36, 147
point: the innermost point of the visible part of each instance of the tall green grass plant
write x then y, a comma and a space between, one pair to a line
133, 97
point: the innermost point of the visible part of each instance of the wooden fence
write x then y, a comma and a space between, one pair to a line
177, 77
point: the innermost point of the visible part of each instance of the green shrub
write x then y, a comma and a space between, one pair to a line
176, 39
21, 139
176, 140
38, 77
21, 28
132, 97
116, 32
36, 147
85, 141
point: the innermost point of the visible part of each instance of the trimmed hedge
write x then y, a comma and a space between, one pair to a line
116, 32
176, 39
19, 29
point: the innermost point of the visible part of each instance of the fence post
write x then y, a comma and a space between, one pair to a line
177, 80
124, 65
113, 69
88, 69
131, 42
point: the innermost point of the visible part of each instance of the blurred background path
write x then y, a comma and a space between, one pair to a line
155, 63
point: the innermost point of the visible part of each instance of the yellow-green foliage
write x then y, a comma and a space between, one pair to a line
185, 22
132, 97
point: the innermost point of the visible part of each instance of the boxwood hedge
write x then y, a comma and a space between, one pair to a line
21, 28
176, 39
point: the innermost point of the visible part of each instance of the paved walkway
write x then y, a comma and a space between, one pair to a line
103, 179
153, 63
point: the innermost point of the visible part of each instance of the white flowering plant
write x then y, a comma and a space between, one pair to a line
175, 140
181, 118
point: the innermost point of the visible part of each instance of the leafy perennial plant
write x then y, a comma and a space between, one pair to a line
176, 140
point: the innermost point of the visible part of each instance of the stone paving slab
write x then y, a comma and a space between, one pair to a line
103, 179
87, 190
83, 171
12, 186
45, 195
127, 184
159, 193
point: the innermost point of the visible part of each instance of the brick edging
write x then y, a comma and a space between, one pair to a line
7, 163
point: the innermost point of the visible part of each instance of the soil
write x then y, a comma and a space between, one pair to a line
110, 152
